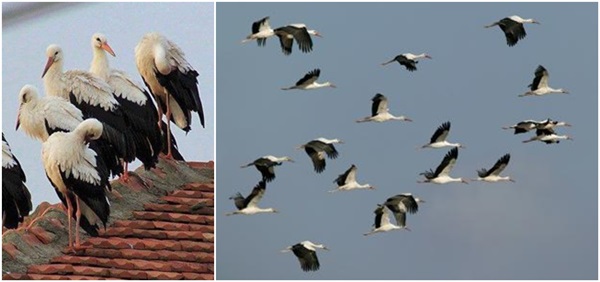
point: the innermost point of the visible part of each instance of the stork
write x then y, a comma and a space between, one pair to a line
318, 149
400, 205
539, 86
513, 28
249, 205
306, 252
440, 176
309, 81
134, 100
527, 125
379, 111
172, 81
261, 30
300, 33
79, 176
347, 181
493, 174
382, 221
438, 139
408, 60
266, 165
16, 199
548, 136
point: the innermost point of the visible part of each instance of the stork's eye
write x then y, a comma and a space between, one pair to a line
55, 53
98, 39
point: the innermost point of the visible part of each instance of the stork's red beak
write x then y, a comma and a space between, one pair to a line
18, 120
107, 48
48, 64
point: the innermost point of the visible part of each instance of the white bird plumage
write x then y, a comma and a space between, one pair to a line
539, 86
249, 204
441, 173
347, 181
309, 82
380, 111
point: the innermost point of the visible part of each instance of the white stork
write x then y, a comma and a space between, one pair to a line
380, 111
493, 174
134, 100
318, 149
261, 30
539, 86
309, 81
382, 221
306, 252
79, 176
408, 60
347, 181
249, 205
266, 165
172, 81
548, 136
16, 199
438, 139
513, 28
300, 33
527, 125
400, 205
440, 176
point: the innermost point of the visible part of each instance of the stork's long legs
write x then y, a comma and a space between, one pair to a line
77, 241
169, 154
69, 210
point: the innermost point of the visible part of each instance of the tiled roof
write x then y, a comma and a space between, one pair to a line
161, 227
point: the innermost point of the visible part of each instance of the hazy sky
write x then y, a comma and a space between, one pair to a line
544, 226
24, 42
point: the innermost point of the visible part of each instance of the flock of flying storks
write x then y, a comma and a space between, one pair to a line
322, 148
91, 124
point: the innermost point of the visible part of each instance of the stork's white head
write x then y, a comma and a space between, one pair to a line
55, 55
99, 41
315, 33
287, 159
89, 129
28, 93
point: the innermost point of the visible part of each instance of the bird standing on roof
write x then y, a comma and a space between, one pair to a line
16, 199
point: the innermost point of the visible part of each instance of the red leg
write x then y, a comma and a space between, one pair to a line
77, 241
160, 114
69, 210
169, 154
125, 176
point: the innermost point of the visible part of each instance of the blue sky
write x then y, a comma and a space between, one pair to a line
71, 26
544, 226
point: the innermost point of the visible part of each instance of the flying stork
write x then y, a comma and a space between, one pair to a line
300, 33
261, 30
16, 199
548, 136
379, 111
408, 60
527, 125
513, 28
382, 221
172, 81
438, 139
440, 176
306, 252
249, 205
266, 165
347, 181
309, 81
400, 205
493, 175
539, 86
79, 176
319, 148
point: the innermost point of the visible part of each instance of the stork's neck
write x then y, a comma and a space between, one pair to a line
53, 81
402, 118
99, 65
324, 84
160, 62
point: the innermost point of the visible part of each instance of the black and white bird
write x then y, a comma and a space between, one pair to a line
309, 81
400, 205
306, 252
299, 32
266, 165
249, 205
548, 136
408, 60
493, 174
79, 176
513, 28
261, 30
347, 181
438, 139
172, 81
380, 111
382, 221
320, 148
527, 125
16, 199
441, 173
539, 86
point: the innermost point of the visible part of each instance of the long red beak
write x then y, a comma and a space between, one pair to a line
48, 64
107, 48
18, 120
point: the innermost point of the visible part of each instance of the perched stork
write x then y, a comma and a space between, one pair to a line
382, 221
172, 81
136, 103
249, 205
309, 81
266, 166
539, 86
319, 148
347, 181
79, 176
16, 199
306, 252
527, 125
440, 176
438, 139
300, 33
379, 111
261, 30
493, 175
548, 136
408, 60
513, 28
39, 117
